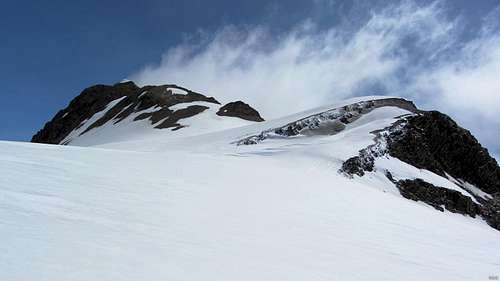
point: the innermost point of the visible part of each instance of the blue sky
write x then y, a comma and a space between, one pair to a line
51, 50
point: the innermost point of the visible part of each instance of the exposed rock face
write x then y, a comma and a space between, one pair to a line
329, 122
358, 165
443, 198
365, 160
490, 211
241, 110
89, 102
161, 97
438, 197
433, 141
123, 100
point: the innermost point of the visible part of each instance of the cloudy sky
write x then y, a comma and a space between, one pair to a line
281, 57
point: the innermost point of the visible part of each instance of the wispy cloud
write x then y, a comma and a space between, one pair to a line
466, 84
407, 49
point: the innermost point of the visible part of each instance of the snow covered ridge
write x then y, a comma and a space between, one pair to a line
125, 103
328, 122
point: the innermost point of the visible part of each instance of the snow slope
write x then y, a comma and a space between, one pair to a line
199, 207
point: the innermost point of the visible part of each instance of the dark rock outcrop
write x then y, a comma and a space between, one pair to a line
365, 160
433, 141
161, 97
241, 110
174, 117
490, 211
358, 165
438, 197
443, 198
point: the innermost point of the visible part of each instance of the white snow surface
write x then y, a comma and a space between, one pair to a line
177, 91
198, 207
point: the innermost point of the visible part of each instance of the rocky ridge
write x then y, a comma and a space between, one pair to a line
127, 99
241, 110
433, 141
329, 122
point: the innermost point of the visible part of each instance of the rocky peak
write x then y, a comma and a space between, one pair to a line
432, 141
241, 110
101, 104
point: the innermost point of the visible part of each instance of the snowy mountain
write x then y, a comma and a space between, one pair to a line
162, 183
124, 111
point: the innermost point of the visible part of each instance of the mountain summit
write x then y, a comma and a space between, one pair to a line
126, 105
